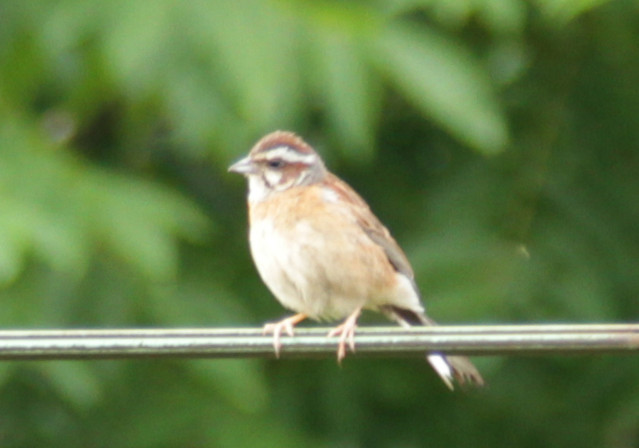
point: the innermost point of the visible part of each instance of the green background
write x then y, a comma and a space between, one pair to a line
497, 139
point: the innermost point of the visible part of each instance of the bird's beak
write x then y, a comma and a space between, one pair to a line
244, 166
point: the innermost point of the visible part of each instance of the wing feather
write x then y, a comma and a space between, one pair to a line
373, 227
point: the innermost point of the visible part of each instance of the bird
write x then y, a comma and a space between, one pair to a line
322, 252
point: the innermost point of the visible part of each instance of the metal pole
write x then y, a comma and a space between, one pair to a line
313, 343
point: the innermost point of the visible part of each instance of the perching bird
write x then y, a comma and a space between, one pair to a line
323, 253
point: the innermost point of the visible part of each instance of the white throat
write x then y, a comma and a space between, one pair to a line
258, 190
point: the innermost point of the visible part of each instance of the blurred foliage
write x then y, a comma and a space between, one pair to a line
496, 138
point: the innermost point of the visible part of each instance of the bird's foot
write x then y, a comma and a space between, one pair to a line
286, 326
346, 333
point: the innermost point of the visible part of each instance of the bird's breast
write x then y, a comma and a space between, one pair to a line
315, 258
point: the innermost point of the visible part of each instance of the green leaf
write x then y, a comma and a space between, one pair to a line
75, 382
139, 221
346, 87
446, 83
241, 382
252, 53
565, 10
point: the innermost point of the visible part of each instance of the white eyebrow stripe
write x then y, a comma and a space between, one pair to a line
290, 155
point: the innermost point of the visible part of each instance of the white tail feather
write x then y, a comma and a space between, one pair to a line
442, 368
449, 368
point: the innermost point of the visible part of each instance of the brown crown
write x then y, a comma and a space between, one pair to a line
282, 138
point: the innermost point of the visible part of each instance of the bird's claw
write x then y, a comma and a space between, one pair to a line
346, 333
346, 336
276, 329
286, 326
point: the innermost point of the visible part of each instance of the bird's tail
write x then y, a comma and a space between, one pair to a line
449, 368
458, 368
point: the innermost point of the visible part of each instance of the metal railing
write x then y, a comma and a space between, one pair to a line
475, 340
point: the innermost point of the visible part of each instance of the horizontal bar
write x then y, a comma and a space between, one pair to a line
313, 342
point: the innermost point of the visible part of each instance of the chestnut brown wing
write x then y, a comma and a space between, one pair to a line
373, 227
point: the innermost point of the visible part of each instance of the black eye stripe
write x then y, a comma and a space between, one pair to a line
275, 163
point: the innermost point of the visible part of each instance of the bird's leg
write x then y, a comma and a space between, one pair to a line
346, 333
286, 326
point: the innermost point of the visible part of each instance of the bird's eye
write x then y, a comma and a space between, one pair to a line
276, 163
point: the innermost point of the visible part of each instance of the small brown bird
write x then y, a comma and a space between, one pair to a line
323, 253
